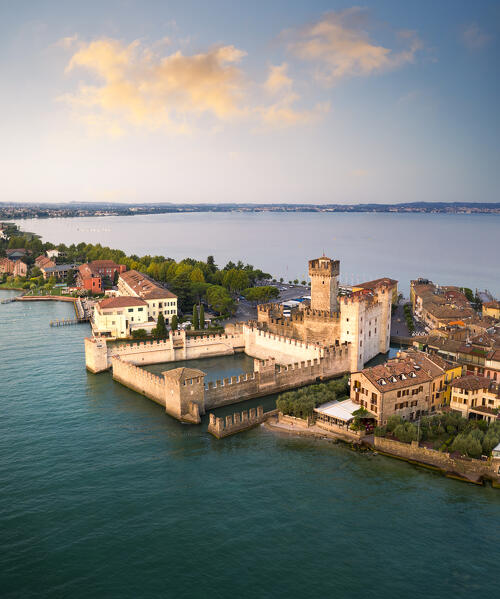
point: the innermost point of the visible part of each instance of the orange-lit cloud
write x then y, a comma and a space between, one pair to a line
283, 111
137, 86
340, 46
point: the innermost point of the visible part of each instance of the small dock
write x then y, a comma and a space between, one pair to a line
67, 321
238, 422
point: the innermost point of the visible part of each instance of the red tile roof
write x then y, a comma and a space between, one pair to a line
122, 301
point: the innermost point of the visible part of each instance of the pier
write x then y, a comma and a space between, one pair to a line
67, 321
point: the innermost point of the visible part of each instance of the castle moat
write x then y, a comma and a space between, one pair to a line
92, 472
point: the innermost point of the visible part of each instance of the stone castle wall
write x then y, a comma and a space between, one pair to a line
285, 350
140, 380
179, 346
180, 400
473, 470
268, 378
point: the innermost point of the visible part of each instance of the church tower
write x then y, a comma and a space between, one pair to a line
324, 284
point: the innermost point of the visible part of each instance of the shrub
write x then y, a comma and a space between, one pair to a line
393, 422
405, 432
490, 441
473, 448
380, 431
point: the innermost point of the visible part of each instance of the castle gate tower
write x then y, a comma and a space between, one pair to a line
324, 284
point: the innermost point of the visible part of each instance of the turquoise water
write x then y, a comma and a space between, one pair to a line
451, 249
103, 495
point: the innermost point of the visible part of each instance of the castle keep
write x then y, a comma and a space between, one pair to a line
333, 335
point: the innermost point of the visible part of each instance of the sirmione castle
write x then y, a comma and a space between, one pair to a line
333, 335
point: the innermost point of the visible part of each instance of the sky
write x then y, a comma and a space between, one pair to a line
262, 101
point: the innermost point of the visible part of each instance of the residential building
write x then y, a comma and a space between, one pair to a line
52, 254
17, 253
13, 267
44, 262
437, 306
410, 385
90, 276
159, 299
6, 266
59, 271
476, 397
479, 355
492, 309
20, 269
106, 268
89, 280
118, 316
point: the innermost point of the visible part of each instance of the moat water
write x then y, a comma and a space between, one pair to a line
103, 495
455, 249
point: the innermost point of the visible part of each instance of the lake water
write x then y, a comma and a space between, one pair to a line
103, 495
449, 249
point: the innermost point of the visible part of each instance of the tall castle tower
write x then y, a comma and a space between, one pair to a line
324, 284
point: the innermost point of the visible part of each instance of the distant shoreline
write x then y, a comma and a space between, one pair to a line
24, 211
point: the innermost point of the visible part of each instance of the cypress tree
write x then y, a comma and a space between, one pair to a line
202, 316
196, 322
174, 323
161, 329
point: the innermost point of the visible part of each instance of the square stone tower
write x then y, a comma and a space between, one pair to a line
324, 284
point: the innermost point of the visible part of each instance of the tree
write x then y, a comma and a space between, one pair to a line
281, 279
70, 280
160, 330
196, 275
202, 316
490, 441
174, 323
115, 278
196, 321
262, 294
139, 334
359, 414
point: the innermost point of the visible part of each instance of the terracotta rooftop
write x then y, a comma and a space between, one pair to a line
493, 304
103, 264
122, 301
144, 286
377, 283
411, 368
471, 382
86, 272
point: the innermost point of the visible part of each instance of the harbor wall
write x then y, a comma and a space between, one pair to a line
467, 468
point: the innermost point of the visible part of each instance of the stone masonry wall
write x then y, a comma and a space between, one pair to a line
468, 468
262, 344
269, 378
140, 380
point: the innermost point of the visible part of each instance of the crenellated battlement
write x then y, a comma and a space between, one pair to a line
234, 380
237, 422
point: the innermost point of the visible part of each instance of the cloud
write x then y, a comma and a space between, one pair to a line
474, 38
278, 79
282, 112
137, 86
67, 42
340, 46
